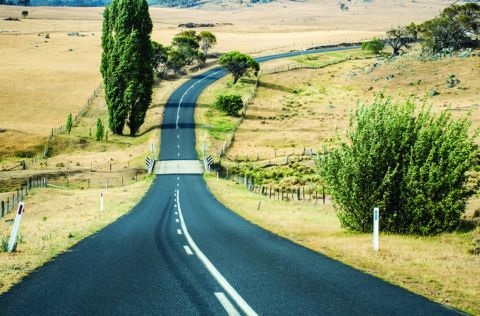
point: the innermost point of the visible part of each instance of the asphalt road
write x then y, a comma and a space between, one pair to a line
180, 252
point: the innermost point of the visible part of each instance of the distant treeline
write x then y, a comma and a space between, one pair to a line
94, 3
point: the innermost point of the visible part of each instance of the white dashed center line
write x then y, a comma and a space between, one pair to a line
188, 250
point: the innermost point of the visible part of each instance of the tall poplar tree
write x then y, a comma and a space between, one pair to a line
126, 66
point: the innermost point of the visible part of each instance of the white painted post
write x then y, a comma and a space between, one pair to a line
16, 226
101, 202
376, 215
152, 148
217, 176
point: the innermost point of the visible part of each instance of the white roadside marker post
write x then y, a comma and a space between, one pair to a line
217, 176
16, 226
376, 215
101, 202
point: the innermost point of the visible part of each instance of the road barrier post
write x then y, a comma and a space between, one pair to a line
16, 226
376, 216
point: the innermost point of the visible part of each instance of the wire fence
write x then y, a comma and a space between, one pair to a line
246, 102
62, 128
38, 181
10, 200
309, 192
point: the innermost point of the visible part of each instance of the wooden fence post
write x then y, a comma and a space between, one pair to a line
3, 208
323, 193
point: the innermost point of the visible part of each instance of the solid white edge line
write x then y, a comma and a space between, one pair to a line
188, 250
211, 268
229, 308
183, 95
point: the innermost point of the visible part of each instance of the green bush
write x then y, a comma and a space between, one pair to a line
406, 161
375, 46
100, 130
69, 123
230, 104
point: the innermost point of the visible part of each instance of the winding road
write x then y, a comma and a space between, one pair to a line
180, 252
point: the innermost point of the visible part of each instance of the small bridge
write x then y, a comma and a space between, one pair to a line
178, 167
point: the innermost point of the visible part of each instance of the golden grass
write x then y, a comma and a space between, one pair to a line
55, 220
308, 107
439, 268
49, 78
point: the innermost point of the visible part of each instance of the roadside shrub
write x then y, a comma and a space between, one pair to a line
69, 123
375, 46
230, 104
406, 161
100, 130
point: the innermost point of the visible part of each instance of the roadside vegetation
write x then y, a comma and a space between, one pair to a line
331, 128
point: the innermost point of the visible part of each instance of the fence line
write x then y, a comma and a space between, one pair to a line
296, 193
43, 181
38, 181
61, 129
248, 100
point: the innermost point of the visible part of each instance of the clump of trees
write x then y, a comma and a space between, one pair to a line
405, 160
186, 48
457, 27
126, 64
238, 64
230, 104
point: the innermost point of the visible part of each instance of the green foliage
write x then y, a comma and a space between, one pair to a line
99, 131
24, 14
375, 46
69, 123
207, 41
188, 46
457, 27
176, 60
230, 104
406, 161
126, 65
238, 64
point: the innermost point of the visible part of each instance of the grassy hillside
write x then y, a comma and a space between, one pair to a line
302, 109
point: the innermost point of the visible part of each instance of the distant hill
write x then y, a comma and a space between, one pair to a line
101, 3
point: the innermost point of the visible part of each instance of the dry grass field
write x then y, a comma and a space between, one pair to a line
440, 268
308, 107
47, 78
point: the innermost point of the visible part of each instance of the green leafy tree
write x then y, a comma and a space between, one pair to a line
126, 65
176, 60
188, 46
207, 41
457, 27
69, 123
238, 64
375, 46
230, 104
99, 131
190, 33
406, 161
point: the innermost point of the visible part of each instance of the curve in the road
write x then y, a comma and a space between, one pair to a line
144, 263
